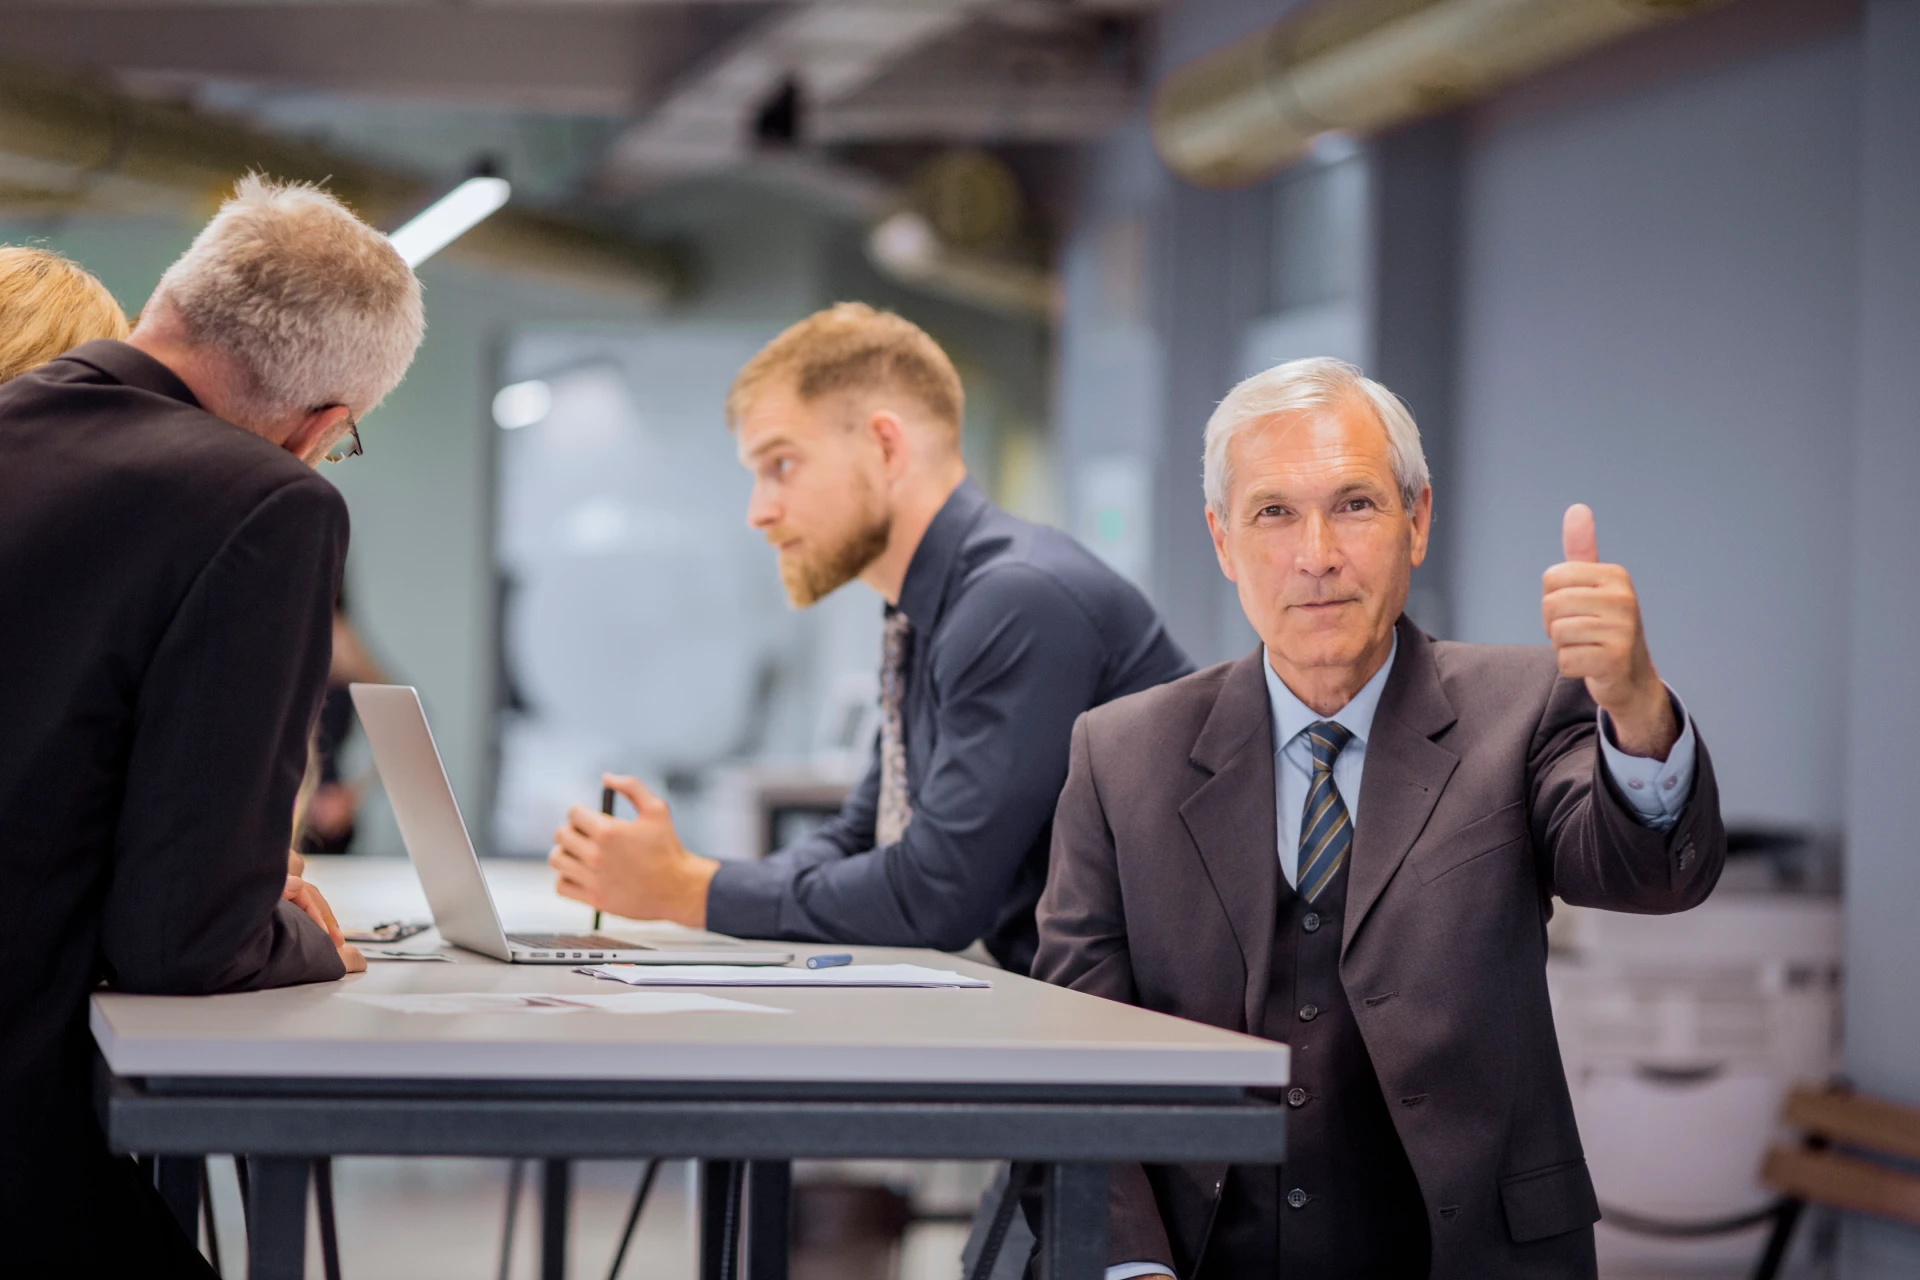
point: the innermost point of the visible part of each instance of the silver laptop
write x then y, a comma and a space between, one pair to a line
449, 870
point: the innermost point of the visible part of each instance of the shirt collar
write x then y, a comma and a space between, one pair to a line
130, 366
1292, 716
924, 591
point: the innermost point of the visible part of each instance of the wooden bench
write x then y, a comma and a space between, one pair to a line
1824, 1169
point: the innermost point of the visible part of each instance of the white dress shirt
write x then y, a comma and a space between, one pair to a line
1657, 790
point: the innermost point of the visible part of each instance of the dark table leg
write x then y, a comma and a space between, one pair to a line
1784, 1219
556, 1178
993, 1243
277, 1217
720, 1219
178, 1180
769, 1203
329, 1227
1074, 1244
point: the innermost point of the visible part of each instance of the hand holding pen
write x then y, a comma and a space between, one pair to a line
634, 867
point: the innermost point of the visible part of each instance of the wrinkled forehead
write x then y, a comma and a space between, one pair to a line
1324, 447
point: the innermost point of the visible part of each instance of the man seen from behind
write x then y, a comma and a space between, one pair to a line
168, 564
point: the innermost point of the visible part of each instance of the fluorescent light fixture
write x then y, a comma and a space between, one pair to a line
522, 405
448, 218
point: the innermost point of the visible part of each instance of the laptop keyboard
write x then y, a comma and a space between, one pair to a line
573, 942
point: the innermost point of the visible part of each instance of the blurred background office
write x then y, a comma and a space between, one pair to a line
1658, 256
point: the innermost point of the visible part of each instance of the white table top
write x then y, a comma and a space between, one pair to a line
1019, 1032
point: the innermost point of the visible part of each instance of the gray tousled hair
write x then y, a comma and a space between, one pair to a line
311, 306
1303, 386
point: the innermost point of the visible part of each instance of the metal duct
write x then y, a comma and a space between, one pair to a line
70, 143
1356, 66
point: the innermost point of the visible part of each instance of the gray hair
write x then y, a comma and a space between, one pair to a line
1303, 386
311, 306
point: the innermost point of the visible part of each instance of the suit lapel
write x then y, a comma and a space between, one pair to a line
1405, 773
1231, 818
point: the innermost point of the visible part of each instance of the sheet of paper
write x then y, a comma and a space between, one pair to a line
721, 975
510, 1002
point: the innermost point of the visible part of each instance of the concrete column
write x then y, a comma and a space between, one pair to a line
1211, 275
1882, 801
1414, 192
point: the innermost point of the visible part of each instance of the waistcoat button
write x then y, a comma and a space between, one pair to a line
1297, 1198
1296, 1097
1311, 922
1308, 1012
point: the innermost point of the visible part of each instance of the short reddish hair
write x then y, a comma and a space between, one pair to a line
853, 347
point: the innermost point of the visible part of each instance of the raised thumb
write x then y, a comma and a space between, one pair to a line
1577, 539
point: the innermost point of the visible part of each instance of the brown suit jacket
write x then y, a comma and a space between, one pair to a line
1484, 795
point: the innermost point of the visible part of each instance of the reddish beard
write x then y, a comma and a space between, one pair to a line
811, 574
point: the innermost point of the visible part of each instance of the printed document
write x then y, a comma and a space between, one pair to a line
724, 975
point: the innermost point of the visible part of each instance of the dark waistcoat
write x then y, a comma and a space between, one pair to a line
1346, 1203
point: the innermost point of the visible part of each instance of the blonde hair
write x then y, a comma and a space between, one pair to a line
310, 305
49, 304
853, 347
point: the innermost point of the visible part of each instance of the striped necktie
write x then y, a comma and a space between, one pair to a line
1326, 832
896, 809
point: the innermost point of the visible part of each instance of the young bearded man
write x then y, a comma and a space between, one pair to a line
998, 634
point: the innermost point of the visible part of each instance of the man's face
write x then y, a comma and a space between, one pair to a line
819, 482
1316, 536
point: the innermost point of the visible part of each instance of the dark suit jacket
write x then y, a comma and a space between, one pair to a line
1484, 794
166, 584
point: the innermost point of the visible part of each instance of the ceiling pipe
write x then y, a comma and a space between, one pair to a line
1355, 66
70, 142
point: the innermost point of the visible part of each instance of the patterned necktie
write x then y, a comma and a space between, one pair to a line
1326, 832
896, 810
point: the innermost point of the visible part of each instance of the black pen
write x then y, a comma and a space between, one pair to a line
606, 807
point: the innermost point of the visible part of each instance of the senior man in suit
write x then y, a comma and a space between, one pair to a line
1350, 840
168, 564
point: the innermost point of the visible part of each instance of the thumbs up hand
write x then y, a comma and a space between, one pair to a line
1592, 616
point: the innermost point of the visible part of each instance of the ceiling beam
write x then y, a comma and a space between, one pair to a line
70, 142
587, 60
994, 82
829, 50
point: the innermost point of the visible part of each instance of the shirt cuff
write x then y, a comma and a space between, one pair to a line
1128, 1270
1656, 790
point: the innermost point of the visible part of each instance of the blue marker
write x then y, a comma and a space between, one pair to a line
828, 962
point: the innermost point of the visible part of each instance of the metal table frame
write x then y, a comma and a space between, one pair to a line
745, 1133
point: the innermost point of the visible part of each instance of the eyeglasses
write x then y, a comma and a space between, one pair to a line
348, 445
